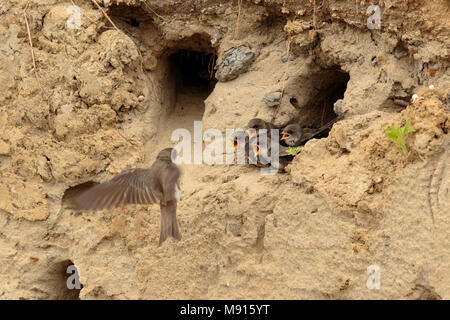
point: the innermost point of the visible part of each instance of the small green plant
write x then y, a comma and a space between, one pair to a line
293, 151
398, 134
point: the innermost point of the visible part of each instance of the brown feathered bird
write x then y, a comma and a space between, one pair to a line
294, 135
260, 152
256, 124
159, 183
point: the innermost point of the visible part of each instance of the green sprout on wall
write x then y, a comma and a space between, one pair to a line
293, 151
398, 134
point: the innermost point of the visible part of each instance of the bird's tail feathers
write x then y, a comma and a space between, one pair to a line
169, 224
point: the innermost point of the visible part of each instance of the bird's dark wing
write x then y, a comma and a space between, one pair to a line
283, 151
132, 186
311, 133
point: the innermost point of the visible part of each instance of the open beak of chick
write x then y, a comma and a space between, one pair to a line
235, 144
285, 136
255, 149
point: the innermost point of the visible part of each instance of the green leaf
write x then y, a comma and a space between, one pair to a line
407, 128
391, 136
397, 135
293, 151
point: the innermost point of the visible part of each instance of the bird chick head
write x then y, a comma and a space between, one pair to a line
291, 134
254, 125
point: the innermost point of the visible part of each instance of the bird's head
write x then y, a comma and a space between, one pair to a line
254, 126
291, 134
168, 154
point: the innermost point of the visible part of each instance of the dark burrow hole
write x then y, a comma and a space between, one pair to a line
294, 102
330, 86
134, 22
71, 192
123, 16
193, 71
400, 50
190, 60
65, 288
189, 64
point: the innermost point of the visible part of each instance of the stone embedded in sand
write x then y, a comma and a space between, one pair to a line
337, 107
216, 38
382, 78
360, 60
236, 61
272, 99
400, 102
401, 93
150, 63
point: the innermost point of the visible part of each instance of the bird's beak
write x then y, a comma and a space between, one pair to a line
285, 136
255, 149
251, 132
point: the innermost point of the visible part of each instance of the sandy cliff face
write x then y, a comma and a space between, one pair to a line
106, 99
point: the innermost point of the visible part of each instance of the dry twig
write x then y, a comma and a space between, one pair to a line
35, 70
236, 30
31, 42
285, 75
211, 65
314, 16
105, 14
151, 9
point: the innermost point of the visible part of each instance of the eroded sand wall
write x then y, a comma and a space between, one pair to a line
105, 100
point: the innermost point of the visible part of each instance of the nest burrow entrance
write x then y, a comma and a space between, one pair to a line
193, 71
327, 86
189, 65
61, 275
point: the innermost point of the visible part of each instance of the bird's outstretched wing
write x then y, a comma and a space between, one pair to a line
132, 186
